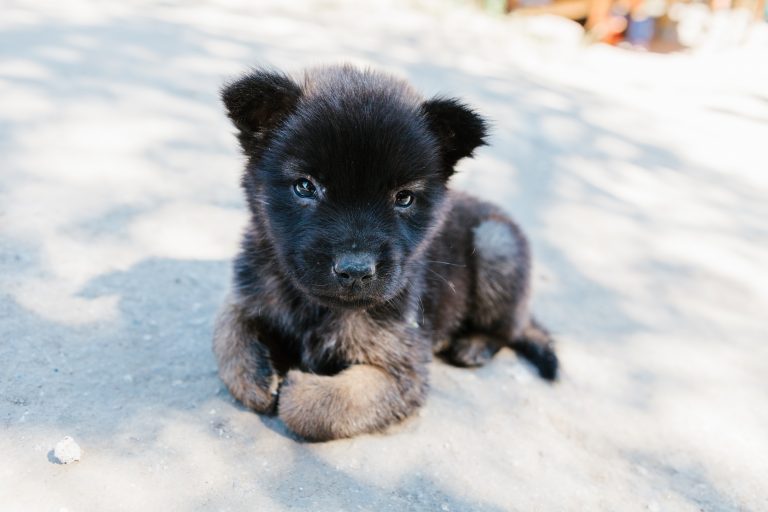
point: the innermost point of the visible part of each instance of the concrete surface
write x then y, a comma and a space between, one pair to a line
641, 180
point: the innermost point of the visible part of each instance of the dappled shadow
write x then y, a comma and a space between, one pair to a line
153, 357
312, 483
688, 480
154, 79
119, 212
123, 386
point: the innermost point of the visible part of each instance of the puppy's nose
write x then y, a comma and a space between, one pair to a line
351, 268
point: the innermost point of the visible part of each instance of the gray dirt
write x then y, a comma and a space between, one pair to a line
639, 178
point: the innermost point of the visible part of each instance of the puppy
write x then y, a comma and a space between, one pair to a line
359, 263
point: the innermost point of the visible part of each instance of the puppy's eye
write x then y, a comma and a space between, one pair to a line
304, 188
404, 199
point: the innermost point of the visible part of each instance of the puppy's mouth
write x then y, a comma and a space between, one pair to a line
348, 298
347, 302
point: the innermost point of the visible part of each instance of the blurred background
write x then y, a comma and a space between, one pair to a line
628, 140
657, 25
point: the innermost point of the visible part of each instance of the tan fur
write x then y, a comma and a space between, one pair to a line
452, 272
360, 399
241, 365
360, 338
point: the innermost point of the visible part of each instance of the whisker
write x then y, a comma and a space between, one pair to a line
450, 284
445, 263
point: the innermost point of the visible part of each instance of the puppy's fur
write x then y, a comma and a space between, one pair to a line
358, 263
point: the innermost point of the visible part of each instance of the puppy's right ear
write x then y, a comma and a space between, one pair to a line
257, 102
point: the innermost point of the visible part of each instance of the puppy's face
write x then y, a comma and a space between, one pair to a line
351, 197
349, 175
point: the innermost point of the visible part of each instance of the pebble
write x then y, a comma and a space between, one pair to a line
67, 451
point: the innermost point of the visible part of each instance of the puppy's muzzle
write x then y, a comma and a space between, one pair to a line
354, 268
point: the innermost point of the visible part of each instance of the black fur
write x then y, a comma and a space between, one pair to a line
441, 273
257, 102
459, 129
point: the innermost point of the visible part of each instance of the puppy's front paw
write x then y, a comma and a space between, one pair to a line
360, 399
302, 405
244, 363
256, 396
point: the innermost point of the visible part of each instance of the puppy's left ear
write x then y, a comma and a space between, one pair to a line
458, 128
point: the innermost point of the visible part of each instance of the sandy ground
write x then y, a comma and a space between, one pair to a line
641, 180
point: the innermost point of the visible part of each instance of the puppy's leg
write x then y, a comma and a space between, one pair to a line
502, 278
244, 363
360, 399
473, 349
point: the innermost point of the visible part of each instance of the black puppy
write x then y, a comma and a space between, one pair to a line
358, 263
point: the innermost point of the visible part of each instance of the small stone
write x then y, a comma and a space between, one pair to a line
67, 451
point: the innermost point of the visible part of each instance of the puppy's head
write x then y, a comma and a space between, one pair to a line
347, 171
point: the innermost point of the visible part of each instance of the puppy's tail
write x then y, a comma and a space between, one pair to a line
537, 346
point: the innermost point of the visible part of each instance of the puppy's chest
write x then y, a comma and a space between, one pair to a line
353, 338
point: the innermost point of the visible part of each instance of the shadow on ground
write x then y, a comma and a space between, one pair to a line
119, 213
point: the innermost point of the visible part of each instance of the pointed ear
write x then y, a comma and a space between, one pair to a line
257, 102
458, 128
